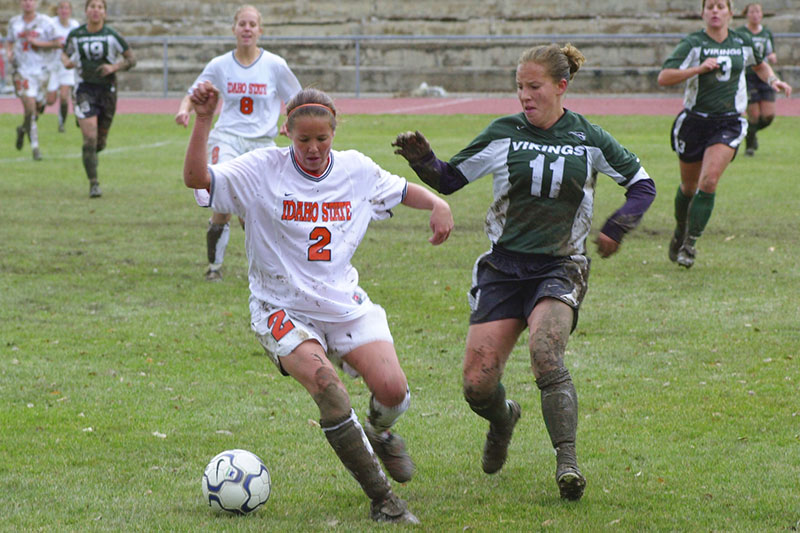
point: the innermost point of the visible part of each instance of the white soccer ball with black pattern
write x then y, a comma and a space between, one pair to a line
237, 482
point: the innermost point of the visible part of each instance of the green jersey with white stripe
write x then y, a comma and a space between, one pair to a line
544, 180
92, 50
722, 91
762, 41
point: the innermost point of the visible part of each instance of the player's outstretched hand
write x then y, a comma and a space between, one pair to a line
182, 118
413, 146
204, 99
441, 222
606, 246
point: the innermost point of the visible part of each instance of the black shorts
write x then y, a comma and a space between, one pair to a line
758, 91
508, 285
693, 133
96, 101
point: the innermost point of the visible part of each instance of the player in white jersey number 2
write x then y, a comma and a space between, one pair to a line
30, 38
252, 84
306, 208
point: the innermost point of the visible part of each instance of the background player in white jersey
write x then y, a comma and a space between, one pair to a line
62, 80
30, 38
253, 83
306, 209
544, 163
97, 52
760, 96
709, 130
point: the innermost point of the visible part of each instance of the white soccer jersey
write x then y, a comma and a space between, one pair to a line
252, 95
301, 231
60, 32
28, 60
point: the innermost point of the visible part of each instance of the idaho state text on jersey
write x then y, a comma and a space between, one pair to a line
238, 87
316, 211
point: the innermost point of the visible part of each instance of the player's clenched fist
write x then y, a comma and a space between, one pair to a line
413, 146
204, 99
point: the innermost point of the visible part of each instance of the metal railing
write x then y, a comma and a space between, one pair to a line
357, 42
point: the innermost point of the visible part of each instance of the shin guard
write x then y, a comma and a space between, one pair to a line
560, 412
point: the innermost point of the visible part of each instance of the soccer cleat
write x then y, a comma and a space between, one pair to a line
20, 137
392, 509
37, 155
213, 275
495, 450
571, 482
674, 247
94, 190
749, 152
686, 255
61, 128
392, 451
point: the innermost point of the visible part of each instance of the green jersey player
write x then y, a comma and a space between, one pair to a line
97, 52
760, 96
707, 133
544, 163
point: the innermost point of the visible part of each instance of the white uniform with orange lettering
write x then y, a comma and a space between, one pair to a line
301, 232
251, 105
59, 74
30, 64
251, 102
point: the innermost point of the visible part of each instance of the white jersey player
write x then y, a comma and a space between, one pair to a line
30, 38
62, 79
306, 209
253, 83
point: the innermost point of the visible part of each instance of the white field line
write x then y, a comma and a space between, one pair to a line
437, 105
77, 154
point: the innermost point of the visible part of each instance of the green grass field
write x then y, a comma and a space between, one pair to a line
122, 372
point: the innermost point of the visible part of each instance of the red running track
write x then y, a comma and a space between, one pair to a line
589, 105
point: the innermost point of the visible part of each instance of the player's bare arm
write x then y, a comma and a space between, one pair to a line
204, 98
768, 76
127, 62
673, 76
441, 221
184, 110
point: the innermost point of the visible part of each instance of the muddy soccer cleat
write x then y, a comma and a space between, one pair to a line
686, 255
392, 509
571, 482
94, 190
391, 449
495, 450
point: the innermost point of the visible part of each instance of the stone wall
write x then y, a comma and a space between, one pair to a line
200, 29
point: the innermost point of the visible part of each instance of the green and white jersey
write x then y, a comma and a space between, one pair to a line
544, 180
722, 91
91, 50
762, 41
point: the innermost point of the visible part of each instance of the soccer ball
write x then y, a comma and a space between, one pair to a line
237, 482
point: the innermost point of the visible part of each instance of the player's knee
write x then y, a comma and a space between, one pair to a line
90, 142
765, 121
478, 394
392, 394
330, 396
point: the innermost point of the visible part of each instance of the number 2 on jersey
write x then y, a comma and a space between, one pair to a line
317, 251
278, 324
537, 176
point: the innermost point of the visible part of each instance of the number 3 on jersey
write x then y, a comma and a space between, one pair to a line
246, 105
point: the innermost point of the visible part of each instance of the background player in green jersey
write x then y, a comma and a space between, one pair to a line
97, 52
544, 163
760, 96
709, 130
